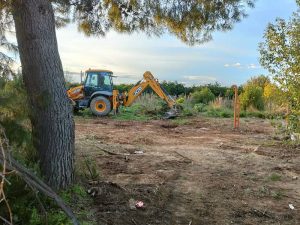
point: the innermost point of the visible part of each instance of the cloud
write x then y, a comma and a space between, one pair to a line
234, 65
253, 66
242, 66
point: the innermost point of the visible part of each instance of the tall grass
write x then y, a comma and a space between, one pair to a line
223, 108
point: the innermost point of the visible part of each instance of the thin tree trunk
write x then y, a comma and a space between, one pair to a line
52, 120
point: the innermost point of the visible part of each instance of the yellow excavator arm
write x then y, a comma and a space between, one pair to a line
148, 81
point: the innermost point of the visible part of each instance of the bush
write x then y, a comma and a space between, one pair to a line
204, 96
180, 100
151, 104
219, 112
252, 97
200, 107
25, 203
147, 106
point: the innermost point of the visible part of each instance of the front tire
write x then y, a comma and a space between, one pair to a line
100, 106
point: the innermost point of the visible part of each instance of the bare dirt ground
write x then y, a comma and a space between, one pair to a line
200, 172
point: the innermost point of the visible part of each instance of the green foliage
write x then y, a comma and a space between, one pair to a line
123, 87
294, 121
275, 177
187, 107
180, 122
174, 88
180, 100
151, 105
132, 113
200, 107
29, 207
91, 167
204, 96
253, 93
25, 203
178, 89
229, 93
259, 81
273, 97
281, 56
217, 89
14, 118
191, 21
147, 106
252, 97
219, 112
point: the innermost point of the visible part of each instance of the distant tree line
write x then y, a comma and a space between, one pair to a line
178, 89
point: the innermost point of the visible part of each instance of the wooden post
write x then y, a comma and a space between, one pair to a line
115, 101
236, 107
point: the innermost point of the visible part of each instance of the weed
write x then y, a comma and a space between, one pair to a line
180, 122
267, 192
91, 172
200, 107
248, 191
277, 194
274, 177
188, 108
263, 191
131, 114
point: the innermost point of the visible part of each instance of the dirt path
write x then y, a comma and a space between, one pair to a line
201, 172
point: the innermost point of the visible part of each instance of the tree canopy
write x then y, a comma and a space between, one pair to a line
191, 21
281, 56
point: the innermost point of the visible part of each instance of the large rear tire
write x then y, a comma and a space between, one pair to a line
100, 106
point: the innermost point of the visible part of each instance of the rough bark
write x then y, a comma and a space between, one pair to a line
52, 120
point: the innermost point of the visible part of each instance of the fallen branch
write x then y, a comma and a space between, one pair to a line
188, 160
31, 179
108, 152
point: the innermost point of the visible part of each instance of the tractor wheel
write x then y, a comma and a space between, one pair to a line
100, 106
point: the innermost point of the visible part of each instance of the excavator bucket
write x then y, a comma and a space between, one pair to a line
171, 114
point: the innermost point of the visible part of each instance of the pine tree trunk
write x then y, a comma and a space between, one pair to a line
52, 120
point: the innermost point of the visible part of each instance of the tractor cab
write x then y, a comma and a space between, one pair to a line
95, 93
98, 81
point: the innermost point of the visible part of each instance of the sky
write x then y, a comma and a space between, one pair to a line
230, 58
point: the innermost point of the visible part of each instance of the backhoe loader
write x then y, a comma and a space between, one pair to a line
97, 93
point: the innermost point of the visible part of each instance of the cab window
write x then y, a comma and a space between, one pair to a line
92, 80
107, 80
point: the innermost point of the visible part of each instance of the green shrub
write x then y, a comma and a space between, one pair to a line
151, 105
200, 107
187, 108
180, 100
219, 112
204, 96
146, 107
294, 122
252, 97
25, 203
